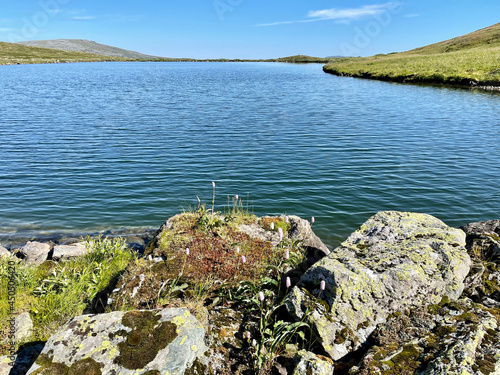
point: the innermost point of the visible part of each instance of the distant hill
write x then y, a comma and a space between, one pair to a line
302, 59
485, 38
471, 60
13, 53
88, 46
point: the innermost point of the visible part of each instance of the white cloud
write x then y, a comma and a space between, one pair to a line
341, 15
81, 18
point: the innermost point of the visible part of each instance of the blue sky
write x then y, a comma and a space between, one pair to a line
248, 28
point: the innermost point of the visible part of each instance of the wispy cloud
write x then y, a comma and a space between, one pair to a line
340, 15
81, 18
412, 15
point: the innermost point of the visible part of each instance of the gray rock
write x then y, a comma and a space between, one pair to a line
483, 239
394, 261
61, 252
35, 252
4, 252
309, 363
301, 229
135, 342
23, 327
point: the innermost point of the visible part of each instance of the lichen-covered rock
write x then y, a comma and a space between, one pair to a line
309, 363
35, 252
483, 239
394, 261
135, 342
448, 338
61, 252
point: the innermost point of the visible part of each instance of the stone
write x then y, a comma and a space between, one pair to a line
62, 252
35, 252
453, 338
309, 363
395, 260
4, 252
23, 327
22, 361
168, 341
483, 239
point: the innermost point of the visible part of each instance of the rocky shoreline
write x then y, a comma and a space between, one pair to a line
404, 294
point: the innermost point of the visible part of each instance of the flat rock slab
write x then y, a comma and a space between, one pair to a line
168, 341
394, 261
35, 252
61, 252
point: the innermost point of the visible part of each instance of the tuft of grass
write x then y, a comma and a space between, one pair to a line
54, 292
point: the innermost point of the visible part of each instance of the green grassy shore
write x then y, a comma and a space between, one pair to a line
472, 60
11, 53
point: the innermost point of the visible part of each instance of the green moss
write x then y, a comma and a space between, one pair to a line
443, 331
86, 366
152, 372
433, 309
145, 340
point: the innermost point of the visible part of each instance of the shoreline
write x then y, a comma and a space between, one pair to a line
463, 84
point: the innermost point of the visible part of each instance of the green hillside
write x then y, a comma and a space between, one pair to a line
11, 53
302, 59
469, 60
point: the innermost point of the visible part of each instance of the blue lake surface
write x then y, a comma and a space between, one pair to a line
94, 146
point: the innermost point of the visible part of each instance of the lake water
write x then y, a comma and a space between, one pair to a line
94, 146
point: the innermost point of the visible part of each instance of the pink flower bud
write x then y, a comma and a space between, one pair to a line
249, 336
254, 342
280, 232
237, 249
213, 184
322, 285
312, 220
243, 259
272, 226
286, 219
187, 250
288, 282
236, 197
287, 254
261, 296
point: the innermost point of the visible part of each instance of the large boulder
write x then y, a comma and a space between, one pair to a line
35, 252
394, 261
451, 338
168, 341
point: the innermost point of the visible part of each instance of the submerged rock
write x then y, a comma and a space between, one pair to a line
135, 342
395, 260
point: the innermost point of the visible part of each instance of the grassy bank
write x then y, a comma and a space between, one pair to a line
470, 60
11, 53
